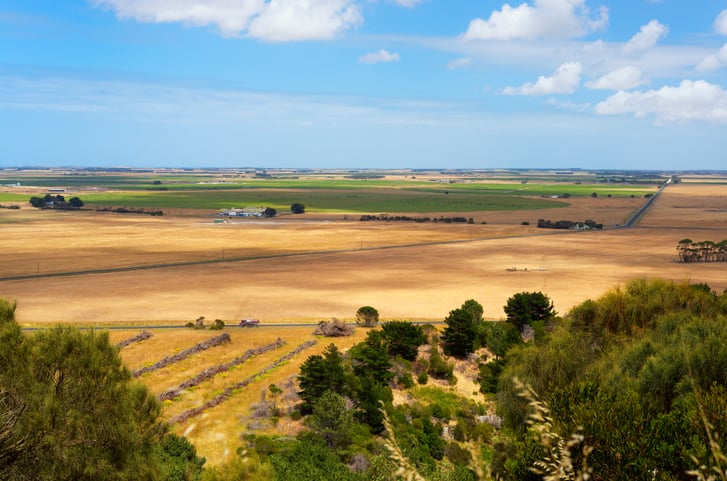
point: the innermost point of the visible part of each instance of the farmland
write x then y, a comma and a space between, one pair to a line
104, 269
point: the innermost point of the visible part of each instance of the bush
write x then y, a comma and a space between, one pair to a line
423, 377
218, 325
438, 367
333, 328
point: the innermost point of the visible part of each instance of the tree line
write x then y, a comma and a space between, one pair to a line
702, 251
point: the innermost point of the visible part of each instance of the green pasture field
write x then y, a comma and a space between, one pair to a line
325, 193
325, 200
17, 198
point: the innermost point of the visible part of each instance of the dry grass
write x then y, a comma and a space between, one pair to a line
217, 432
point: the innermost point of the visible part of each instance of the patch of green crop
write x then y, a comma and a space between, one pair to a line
17, 198
379, 200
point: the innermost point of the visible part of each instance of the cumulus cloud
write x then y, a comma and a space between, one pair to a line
691, 100
273, 20
720, 24
544, 19
715, 61
647, 37
565, 80
381, 56
624, 78
459, 63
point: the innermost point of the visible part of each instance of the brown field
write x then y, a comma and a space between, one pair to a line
319, 267
325, 267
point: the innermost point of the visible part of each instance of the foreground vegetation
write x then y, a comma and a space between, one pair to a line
630, 386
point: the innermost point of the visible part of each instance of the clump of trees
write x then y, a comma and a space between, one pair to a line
638, 373
297, 208
56, 202
569, 224
702, 251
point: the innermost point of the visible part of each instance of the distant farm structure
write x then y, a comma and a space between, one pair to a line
244, 212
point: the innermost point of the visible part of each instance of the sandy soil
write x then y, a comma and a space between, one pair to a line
332, 267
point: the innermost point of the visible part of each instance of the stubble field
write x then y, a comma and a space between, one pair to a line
316, 267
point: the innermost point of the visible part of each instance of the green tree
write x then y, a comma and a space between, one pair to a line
403, 338
180, 459
37, 202
525, 308
463, 324
319, 374
499, 337
367, 316
297, 208
75, 202
332, 420
270, 212
74, 409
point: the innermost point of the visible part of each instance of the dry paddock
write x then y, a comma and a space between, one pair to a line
317, 267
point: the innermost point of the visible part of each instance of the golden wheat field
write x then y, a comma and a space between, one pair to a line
318, 267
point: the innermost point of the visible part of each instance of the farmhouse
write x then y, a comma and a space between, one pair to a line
244, 212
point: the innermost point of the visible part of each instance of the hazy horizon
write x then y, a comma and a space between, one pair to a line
428, 84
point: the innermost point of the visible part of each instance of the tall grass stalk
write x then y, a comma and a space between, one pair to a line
557, 465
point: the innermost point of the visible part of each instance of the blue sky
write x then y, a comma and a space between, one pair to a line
638, 84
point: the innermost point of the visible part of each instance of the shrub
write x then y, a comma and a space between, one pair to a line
218, 325
333, 328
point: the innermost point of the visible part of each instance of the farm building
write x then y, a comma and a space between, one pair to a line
244, 212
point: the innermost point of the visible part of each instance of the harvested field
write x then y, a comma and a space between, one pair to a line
691, 206
323, 268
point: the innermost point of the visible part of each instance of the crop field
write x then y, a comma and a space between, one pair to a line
104, 269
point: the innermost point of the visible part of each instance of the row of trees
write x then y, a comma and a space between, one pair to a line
702, 251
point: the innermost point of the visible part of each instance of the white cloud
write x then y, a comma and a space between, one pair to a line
620, 79
459, 63
565, 80
379, 57
691, 100
273, 20
647, 37
714, 62
545, 19
720, 24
